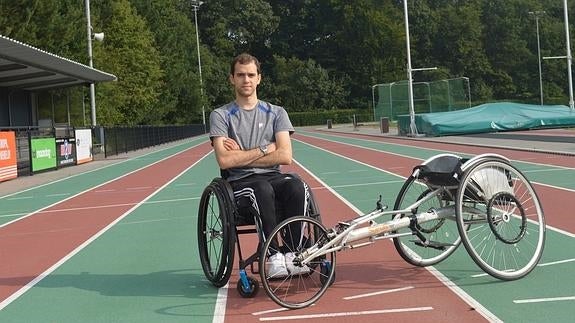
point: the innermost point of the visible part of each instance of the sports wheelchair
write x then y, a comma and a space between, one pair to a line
484, 202
222, 217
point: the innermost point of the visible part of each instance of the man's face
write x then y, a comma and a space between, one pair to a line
245, 79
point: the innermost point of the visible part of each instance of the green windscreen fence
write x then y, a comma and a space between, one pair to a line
392, 99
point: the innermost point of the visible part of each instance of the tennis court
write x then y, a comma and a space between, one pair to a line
117, 243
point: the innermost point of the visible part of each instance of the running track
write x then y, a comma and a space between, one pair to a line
38, 240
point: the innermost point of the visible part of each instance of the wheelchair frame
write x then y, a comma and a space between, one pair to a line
484, 202
233, 221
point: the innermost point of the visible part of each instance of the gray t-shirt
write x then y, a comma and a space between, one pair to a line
250, 129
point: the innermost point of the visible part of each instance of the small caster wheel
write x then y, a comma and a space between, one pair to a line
254, 287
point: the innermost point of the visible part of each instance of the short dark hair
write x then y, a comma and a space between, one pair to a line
243, 59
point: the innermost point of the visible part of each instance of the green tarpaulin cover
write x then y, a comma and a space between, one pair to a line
490, 117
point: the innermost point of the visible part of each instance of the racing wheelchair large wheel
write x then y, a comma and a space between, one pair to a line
500, 218
441, 236
303, 284
216, 238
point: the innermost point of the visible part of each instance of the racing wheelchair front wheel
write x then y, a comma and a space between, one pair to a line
300, 284
216, 236
441, 235
500, 219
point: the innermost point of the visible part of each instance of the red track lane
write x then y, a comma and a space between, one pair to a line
371, 269
557, 203
34, 244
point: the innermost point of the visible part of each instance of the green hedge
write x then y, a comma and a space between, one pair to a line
313, 118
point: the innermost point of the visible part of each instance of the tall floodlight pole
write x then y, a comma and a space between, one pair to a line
92, 87
196, 5
569, 58
412, 126
537, 14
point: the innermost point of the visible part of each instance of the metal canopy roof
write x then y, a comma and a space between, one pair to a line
25, 67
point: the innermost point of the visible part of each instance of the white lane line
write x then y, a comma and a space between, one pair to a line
220, 308
328, 315
379, 293
547, 299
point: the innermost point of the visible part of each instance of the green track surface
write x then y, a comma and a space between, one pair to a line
146, 268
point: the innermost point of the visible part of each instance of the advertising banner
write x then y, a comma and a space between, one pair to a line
66, 149
83, 145
43, 153
8, 165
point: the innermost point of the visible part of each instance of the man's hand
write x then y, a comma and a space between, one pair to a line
231, 144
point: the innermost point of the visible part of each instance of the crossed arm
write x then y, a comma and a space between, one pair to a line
229, 154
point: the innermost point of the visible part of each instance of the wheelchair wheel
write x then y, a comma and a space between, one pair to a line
216, 236
312, 206
441, 235
303, 284
500, 219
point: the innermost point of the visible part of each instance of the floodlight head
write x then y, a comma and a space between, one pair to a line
99, 36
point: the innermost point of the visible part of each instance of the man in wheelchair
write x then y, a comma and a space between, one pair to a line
251, 139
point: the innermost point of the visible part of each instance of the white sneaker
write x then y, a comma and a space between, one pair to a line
292, 268
276, 266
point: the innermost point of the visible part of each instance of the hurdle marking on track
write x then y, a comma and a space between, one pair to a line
57, 194
20, 198
378, 293
99, 207
546, 299
542, 170
366, 184
105, 191
281, 309
538, 265
340, 314
139, 188
556, 262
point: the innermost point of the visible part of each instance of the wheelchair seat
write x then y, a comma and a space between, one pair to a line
441, 170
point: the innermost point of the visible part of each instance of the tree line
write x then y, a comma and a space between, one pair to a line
316, 55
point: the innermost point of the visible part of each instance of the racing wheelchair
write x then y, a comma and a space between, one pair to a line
223, 216
483, 202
